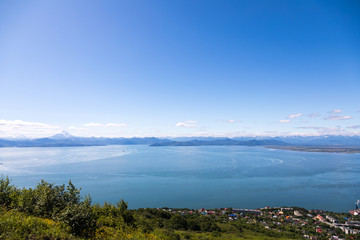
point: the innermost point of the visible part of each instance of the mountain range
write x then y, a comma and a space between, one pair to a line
64, 139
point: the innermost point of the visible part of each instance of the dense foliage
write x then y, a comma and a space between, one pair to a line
49, 205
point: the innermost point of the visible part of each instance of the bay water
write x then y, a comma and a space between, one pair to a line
193, 177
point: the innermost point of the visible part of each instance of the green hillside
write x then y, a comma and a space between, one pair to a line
51, 211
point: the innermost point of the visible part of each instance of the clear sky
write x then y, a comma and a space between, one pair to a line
179, 68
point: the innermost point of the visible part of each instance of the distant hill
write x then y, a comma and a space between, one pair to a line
222, 142
333, 140
64, 139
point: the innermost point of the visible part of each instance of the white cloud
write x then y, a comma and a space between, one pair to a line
230, 121
15, 128
190, 121
336, 111
333, 117
187, 124
295, 115
321, 128
285, 121
21, 123
291, 116
336, 130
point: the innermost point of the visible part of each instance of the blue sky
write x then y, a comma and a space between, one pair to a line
179, 68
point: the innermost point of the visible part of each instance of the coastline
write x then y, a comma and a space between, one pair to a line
328, 149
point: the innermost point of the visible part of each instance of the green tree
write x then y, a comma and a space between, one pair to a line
127, 216
80, 218
178, 222
8, 193
193, 225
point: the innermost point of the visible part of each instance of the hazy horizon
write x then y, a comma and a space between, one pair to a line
65, 134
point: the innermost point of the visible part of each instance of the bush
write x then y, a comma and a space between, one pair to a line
127, 216
80, 218
8, 193
193, 225
48, 200
178, 222
17, 225
209, 226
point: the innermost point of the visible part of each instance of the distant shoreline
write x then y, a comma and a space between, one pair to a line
329, 149
271, 144
330, 144
326, 149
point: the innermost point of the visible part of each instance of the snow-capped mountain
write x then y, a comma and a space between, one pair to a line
62, 135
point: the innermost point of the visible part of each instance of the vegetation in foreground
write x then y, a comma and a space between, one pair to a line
51, 211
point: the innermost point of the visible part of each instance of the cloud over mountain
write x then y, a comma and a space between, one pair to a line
15, 128
187, 124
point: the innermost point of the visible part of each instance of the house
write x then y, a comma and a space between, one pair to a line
319, 217
297, 213
331, 219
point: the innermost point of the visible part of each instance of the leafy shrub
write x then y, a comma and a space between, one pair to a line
80, 218
17, 225
47, 199
8, 193
178, 222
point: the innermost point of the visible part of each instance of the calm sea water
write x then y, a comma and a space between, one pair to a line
193, 177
